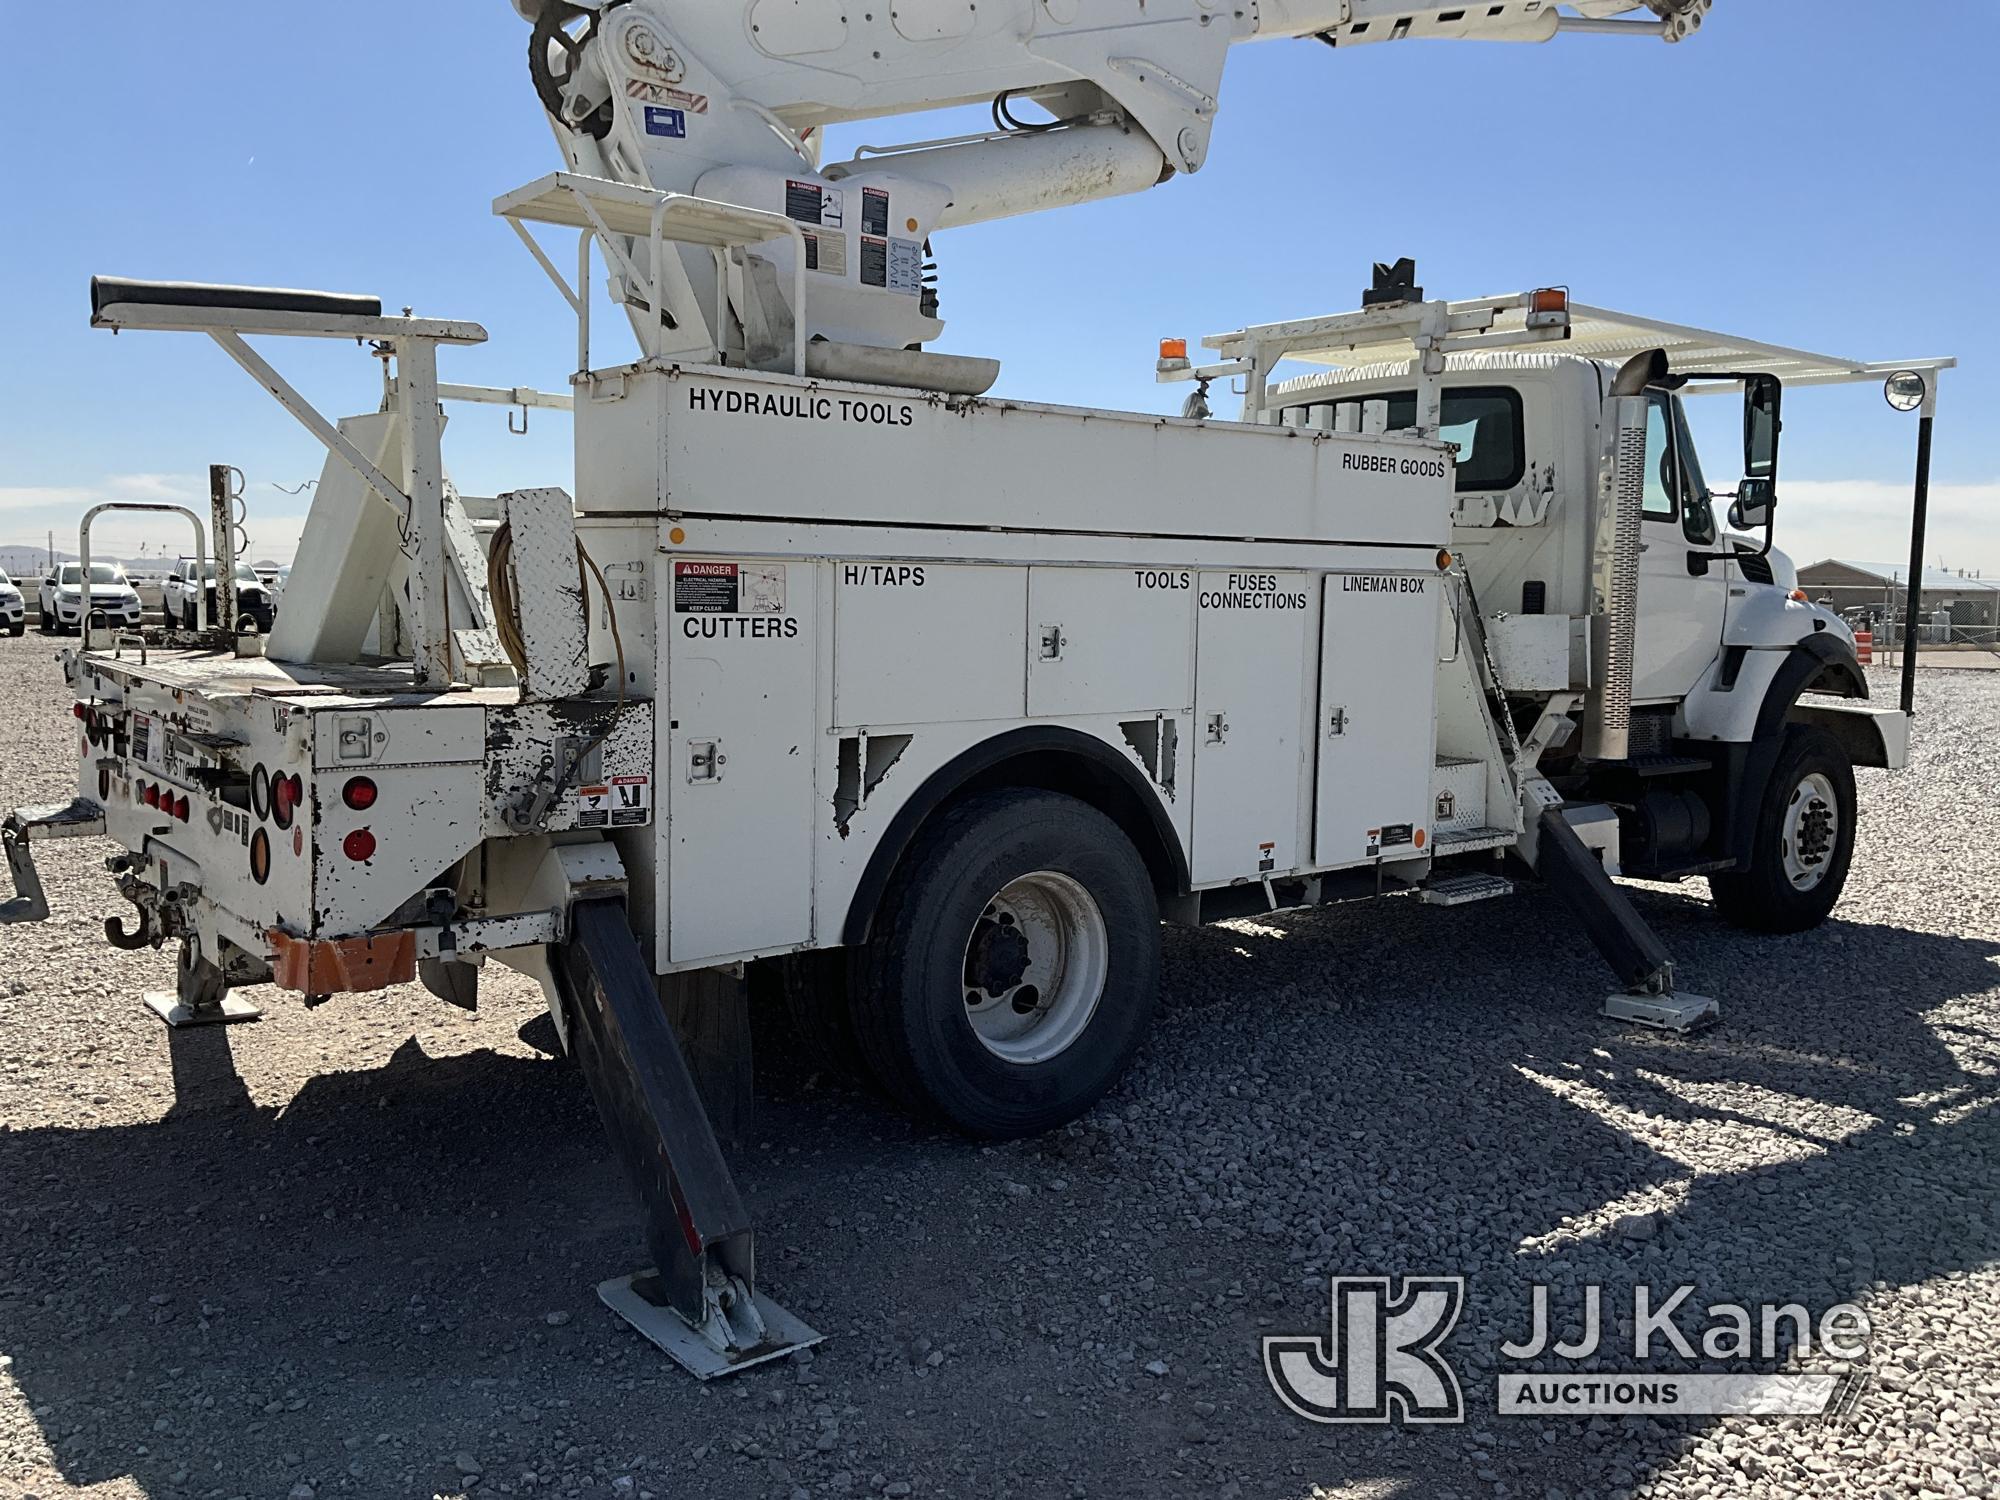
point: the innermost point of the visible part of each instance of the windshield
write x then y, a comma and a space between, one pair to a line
99, 573
5, 581
244, 573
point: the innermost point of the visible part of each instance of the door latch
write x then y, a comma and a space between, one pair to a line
1052, 642
1218, 729
705, 760
1336, 724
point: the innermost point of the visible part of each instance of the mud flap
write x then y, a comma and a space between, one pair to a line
699, 1301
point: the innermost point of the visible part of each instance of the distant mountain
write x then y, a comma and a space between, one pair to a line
21, 561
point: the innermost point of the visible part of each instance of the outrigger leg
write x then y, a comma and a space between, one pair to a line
698, 1302
1633, 949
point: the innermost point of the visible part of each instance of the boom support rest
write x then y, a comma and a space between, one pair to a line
112, 291
700, 1303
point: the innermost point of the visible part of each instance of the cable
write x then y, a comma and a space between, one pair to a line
507, 615
1004, 118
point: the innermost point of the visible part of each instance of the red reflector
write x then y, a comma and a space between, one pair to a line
78, 709
359, 793
358, 845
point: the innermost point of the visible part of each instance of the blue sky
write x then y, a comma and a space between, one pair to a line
1806, 171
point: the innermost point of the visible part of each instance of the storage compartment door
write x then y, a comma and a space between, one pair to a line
1253, 691
736, 756
1377, 725
1110, 640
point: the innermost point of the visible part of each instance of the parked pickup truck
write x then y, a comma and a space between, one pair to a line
253, 600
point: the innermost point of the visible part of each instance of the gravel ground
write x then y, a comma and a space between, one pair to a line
353, 1252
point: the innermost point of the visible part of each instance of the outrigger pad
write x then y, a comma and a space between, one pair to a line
177, 1013
110, 291
635, 1299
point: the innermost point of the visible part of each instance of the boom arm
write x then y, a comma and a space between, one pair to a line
728, 99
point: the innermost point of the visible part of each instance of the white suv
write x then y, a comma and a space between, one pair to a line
13, 610
59, 604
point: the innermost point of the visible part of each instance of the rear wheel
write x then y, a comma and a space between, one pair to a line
1804, 840
1015, 966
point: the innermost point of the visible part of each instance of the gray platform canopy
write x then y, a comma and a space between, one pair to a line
1601, 333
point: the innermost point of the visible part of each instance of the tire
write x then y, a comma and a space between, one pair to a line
1005, 889
189, 620
41, 618
1803, 843
17, 631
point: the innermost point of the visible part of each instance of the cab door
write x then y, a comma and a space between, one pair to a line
1682, 594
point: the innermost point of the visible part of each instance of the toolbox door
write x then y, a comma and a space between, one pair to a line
1253, 678
1377, 726
1110, 640
736, 756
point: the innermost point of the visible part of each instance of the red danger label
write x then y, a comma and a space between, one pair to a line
705, 588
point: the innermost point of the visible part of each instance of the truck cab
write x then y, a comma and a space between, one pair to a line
1737, 680
1527, 432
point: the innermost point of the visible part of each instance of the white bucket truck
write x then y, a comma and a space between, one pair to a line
929, 704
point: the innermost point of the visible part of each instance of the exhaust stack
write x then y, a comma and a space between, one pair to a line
1614, 635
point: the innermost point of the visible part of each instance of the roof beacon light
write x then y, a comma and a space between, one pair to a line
1549, 307
1173, 354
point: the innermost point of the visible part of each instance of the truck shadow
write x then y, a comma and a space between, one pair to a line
396, 1266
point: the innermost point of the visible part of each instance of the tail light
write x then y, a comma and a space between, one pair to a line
149, 794
181, 808
358, 845
359, 793
287, 792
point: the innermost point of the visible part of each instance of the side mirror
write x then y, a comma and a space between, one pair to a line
1763, 421
1755, 500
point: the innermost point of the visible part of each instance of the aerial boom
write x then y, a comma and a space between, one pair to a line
1090, 99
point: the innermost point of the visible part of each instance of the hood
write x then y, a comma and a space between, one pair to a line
115, 591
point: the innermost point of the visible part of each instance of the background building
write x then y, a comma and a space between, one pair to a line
1958, 604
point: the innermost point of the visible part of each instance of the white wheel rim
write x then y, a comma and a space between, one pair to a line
1812, 829
1034, 968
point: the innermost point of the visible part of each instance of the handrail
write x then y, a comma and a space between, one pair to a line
83, 559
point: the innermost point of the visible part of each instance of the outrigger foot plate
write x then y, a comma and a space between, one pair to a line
734, 1336
1681, 1013
177, 1013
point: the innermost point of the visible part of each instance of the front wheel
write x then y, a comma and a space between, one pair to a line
1804, 840
1015, 966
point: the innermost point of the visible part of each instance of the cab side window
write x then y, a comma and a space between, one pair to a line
1697, 506
1662, 463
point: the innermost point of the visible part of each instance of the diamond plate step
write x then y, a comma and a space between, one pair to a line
1463, 890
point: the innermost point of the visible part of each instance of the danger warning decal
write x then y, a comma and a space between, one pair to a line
727, 588
621, 802
706, 588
